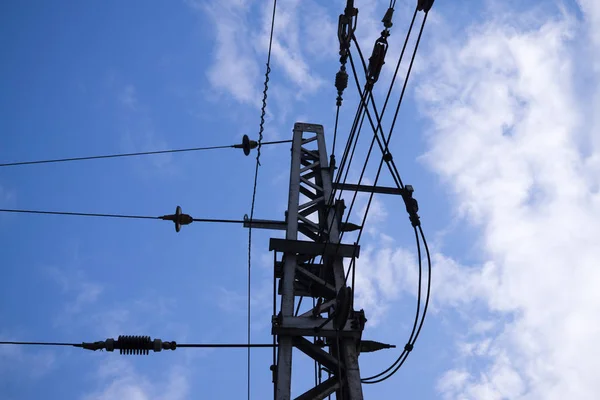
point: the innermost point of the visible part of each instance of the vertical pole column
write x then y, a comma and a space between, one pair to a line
284, 360
347, 348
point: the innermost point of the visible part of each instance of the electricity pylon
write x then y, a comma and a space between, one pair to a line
313, 213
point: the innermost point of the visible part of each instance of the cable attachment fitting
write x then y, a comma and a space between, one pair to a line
369, 346
178, 218
377, 58
246, 145
387, 18
412, 206
424, 5
387, 156
346, 28
131, 345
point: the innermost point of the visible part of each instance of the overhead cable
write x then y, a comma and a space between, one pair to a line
179, 218
246, 145
260, 138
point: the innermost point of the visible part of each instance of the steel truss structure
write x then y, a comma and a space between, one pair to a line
313, 213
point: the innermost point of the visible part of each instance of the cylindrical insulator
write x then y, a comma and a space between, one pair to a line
134, 344
341, 80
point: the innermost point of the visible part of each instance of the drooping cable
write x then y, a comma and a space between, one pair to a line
144, 153
260, 137
410, 345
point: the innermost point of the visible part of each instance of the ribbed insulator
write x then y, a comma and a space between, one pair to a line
341, 80
134, 344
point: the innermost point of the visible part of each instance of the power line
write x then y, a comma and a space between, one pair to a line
179, 345
251, 144
78, 214
410, 345
171, 217
260, 137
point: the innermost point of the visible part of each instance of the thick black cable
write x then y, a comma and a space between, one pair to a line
412, 60
393, 165
414, 339
384, 150
260, 137
416, 320
144, 153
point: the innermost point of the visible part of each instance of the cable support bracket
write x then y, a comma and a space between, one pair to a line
412, 206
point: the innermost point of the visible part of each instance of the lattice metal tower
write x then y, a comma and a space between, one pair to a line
318, 219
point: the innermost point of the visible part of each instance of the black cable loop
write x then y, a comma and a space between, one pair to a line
410, 344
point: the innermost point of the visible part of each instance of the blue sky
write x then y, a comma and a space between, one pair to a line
498, 134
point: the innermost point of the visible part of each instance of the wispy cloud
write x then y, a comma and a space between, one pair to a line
29, 364
235, 68
506, 138
241, 47
120, 380
79, 291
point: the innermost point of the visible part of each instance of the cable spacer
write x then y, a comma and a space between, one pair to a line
409, 347
412, 206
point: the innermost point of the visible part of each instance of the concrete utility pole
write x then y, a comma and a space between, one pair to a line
300, 275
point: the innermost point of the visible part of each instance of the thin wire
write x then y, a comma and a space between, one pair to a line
227, 345
79, 214
145, 153
42, 343
260, 138
185, 345
337, 116
274, 337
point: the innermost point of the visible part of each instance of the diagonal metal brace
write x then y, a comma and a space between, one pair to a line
321, 391
316, 353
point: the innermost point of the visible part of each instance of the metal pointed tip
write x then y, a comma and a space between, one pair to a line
350, 227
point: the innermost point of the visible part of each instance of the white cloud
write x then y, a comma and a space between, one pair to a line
241, 47
235, 69
120, 380
80, 291
506, 137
